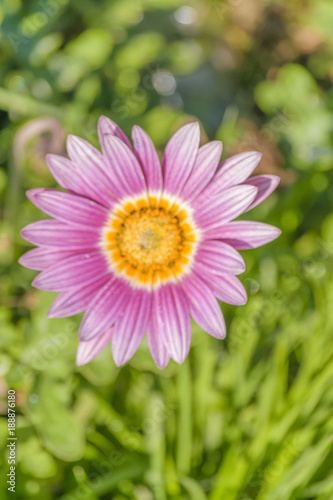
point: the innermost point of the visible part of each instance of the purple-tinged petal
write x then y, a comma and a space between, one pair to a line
147, 156
239, 167
73, 272
131, 326
77, 300
244, 234
231, 172
92, 166
179, 157
204, 169
107, 126
158, 350
56, 234
227, 288
79, 180
224, 207
40, 259
173, 319
265, 184
90, 349
124, 168
204, 308
104, 310
219, 258
68, 207
68, 176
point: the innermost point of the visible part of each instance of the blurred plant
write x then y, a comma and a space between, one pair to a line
249, 419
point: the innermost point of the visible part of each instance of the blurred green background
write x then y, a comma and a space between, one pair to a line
246, 418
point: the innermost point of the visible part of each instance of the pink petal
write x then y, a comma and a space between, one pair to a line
73, 272
173, 319
224, 207
90, 349
265, 184
204, 308
227, 288
179, 157
219, 258
231, 172
104, 309
204, 169
146, 154
79, 180
42, 258
238, 168
57, 234
130, 327
68, 207
244, 234
124, 168
77, 300
156, 345
91, 161
107, 126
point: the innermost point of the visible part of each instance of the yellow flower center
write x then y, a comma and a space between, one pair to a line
150, 238
149, 244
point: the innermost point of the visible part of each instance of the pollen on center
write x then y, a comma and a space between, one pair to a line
150, 244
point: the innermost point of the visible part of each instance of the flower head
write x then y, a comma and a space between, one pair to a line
142, 246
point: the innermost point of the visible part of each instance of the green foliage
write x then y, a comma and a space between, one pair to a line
246, 418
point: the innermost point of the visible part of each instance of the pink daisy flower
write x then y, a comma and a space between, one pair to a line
141, 246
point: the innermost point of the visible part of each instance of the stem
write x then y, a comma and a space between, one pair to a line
184, 441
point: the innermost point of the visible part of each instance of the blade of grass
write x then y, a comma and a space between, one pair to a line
184, 436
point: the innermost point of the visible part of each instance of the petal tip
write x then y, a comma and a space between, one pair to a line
24, 233
255, 154
179, 357
71, 141
52, 312
162, 366
119, 360
275, 181
36, 282
21, 261
80, 359
278, 232
32, 193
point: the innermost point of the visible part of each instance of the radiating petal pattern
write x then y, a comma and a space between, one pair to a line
224, 207
243, 234
73, 272
204, 169
78, 180
41, 258
179, 157
91, 348
76, 300
204, 307
92, 165
125, 172
141, 247
105, 308
158, 350
57, 234
226, 288
68, 207
146, 154
107, 126
130, 327
265, 184
173, 319
220, 257
231, 172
